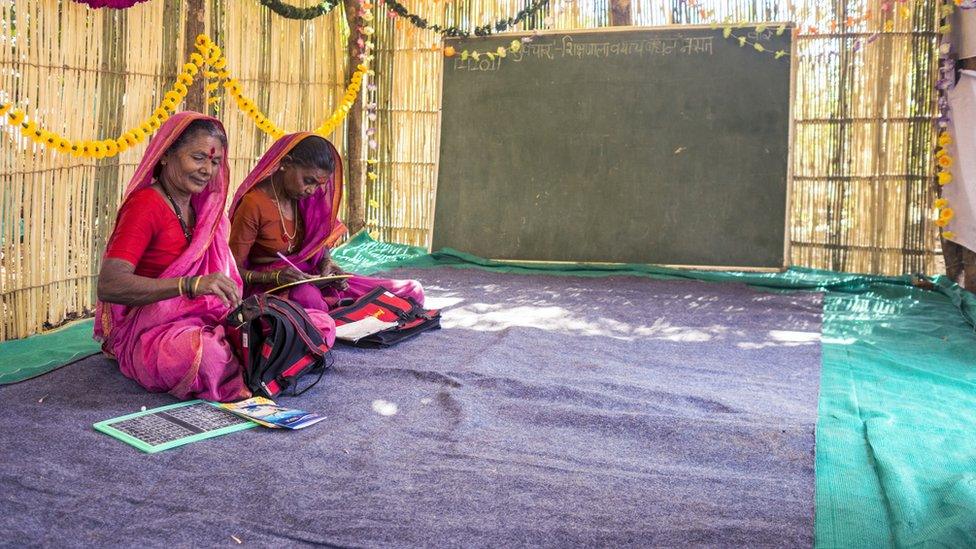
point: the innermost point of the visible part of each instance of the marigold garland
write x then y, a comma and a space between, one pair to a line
755, 44
208, 53
946, 79
214, 56
105, 148
397, 9
294, 12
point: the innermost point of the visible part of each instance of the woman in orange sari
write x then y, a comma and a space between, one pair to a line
289, 205
168, 278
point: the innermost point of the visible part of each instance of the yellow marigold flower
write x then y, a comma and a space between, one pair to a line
945, 161
111, 149
940, 222
940, 203
202, 40
233, 87
190, 69
184, 79
28, 129
449, 51
154, 124
160, 112
947, 214
945, 178
63, 145
138, 134
77, 148
16, 116
121, 145
49, 138
98, 150
146, 128
196, 59
220, 63
944, 139
86, 148
211, 86
4, 107
948, 234
179, 91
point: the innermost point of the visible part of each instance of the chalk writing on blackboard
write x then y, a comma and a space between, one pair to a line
567, 47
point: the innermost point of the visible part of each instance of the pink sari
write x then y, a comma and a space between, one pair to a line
178, 345
322, 230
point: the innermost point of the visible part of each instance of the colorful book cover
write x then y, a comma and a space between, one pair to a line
264, 411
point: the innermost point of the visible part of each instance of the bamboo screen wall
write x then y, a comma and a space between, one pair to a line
861, 197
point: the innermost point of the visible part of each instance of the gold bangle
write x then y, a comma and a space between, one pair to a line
278, 278
247, 277
179, 285
196, 285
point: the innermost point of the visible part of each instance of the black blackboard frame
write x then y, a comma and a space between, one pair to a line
738, 29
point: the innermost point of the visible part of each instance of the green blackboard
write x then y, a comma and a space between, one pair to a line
643, 145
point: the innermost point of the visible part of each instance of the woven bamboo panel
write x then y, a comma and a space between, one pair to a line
863, 138
93, 74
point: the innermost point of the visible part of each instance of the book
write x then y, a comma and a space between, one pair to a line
354, 331
264, 411
318, 281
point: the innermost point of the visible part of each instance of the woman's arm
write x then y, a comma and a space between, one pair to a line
118, 283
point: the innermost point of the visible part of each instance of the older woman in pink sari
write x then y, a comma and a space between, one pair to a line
289, 205
168, 278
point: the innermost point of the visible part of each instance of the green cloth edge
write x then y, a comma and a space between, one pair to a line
22, 359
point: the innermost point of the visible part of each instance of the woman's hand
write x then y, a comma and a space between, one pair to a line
216, 284
330, 268
287, 276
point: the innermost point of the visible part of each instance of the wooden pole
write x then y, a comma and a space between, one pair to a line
620, 14
196, 23
355, 174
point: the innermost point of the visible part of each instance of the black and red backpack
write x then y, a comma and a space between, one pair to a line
407, 318
277, 344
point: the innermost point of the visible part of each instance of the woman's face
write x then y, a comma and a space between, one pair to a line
300, 182
192, 166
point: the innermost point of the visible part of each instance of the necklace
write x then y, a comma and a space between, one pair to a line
285, 237
179, 214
